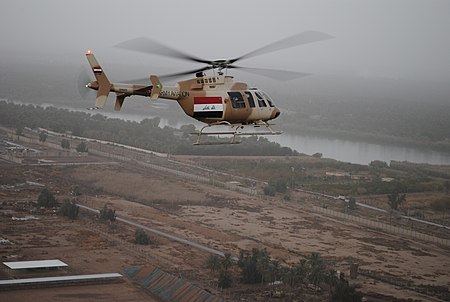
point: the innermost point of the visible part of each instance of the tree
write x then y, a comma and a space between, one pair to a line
288, 276
69, 209
224, 280
270, 190
351, 203
300, 272
263, 264
331, 278
141, 237
279, 184
274, 271
317, 155
213, 263
19, 130
76, 191
378, 164
396, 198
82, 147
316, 268
46, 199
227, 261
43, 136
343, 292
248, 265
65, 144
108, 214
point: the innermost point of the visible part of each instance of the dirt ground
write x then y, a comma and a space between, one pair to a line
79, 245
222, 219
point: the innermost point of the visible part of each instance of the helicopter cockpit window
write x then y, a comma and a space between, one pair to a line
268, 99
251, 101
237, 101
261, 102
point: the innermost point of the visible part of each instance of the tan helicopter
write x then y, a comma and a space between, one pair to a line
214, 99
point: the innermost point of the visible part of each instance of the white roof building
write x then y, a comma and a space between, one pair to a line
35, 264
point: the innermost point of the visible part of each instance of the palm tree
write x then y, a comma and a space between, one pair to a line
317, 268
213, 263
331, 278
227, 261
288, 275
263, 263
274, 270
301, 271
395, 198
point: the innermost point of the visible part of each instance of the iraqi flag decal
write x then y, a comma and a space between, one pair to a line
97, 70
208, 106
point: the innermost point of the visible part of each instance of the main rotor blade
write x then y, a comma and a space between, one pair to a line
295, 40
167, 76
283, 75
145, 45
179, 74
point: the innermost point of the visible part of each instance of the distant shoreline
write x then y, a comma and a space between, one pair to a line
356, 136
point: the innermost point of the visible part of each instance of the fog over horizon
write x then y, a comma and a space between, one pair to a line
382, 51
405, 39
384, 76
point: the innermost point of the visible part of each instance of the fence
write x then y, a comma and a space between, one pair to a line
383, 226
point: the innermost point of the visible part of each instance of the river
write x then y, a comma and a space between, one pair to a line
359, 152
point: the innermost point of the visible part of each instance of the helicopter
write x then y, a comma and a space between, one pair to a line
214, 99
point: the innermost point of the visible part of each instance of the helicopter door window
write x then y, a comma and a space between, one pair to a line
251, 101
237, 101
261, 102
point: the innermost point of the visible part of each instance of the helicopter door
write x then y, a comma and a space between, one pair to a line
237, 101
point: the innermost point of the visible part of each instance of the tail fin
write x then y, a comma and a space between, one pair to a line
104, 85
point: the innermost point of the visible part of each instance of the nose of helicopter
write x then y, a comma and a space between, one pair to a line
276, 113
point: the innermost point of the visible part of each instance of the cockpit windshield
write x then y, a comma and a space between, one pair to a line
268, 99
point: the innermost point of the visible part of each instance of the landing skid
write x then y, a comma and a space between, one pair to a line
235, 131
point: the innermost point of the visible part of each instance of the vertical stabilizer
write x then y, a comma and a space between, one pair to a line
104, 86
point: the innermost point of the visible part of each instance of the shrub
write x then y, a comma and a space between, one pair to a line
270, 190
141, 237
46, 199
108, 214
69, 209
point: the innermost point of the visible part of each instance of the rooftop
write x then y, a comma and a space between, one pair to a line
35, 264
57, 279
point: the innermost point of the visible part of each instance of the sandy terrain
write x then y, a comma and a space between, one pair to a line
287, 230
223, 219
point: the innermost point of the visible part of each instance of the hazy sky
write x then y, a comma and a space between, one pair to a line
373, 38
